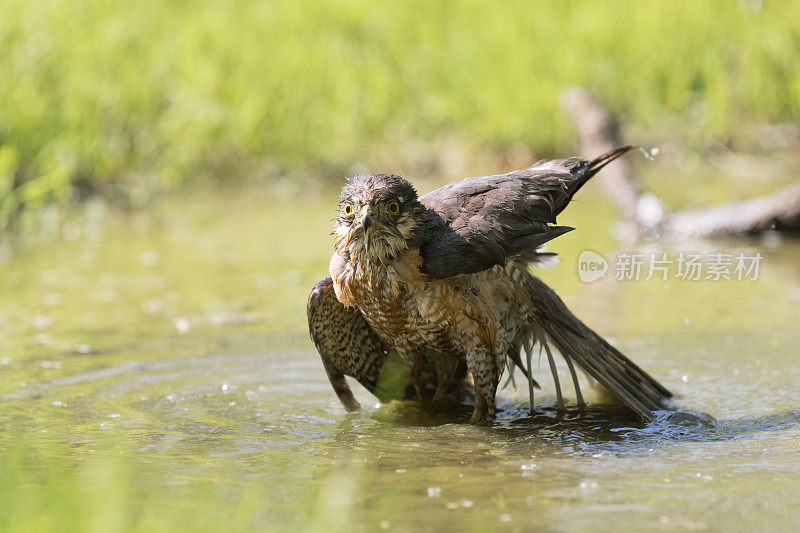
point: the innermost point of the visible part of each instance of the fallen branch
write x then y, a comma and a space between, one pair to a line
642, 211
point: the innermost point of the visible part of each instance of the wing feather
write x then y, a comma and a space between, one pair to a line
348, 346
475, 223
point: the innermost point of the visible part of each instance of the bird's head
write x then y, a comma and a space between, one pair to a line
377, 217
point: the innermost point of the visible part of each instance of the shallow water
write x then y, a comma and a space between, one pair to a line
155, 373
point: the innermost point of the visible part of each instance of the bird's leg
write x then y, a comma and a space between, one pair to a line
480, 411
445, 366
486, 376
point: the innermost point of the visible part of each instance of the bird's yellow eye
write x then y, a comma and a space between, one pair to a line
348, 209
393, 208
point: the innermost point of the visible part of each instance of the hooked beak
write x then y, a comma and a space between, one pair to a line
366, 220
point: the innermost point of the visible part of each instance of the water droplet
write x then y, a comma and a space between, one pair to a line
649, 154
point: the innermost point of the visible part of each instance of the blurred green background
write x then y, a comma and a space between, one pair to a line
155, 367
130, 99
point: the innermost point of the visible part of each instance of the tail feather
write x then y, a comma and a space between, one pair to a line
574, 339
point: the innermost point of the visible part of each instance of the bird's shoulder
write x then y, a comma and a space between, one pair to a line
474, 223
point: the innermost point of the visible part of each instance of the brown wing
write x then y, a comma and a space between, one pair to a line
349, 347
476, 223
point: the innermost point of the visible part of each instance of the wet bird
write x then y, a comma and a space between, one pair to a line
443, 282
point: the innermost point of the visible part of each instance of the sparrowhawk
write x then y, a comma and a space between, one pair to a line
443, 281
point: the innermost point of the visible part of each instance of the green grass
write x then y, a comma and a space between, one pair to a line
131, 98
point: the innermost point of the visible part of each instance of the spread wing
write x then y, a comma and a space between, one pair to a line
348, 346
476, 223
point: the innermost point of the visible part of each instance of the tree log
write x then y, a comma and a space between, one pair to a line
642, 211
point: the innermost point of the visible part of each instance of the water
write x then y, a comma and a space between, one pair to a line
155, 374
